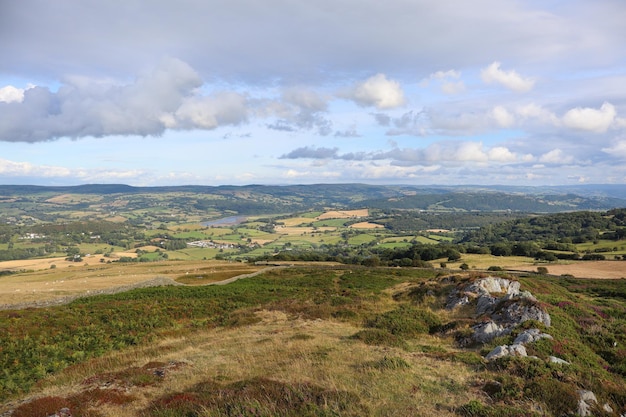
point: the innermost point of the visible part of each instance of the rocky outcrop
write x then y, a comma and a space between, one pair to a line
500, 303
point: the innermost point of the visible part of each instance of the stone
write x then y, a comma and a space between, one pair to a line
586, 399
531, 336
506, 350
495, 285
559, 361
484, 332
518, 312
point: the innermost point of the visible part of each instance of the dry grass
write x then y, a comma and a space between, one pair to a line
297, 231
579, 269
345, 214
367, 225
292, 351
583, 269
82, 278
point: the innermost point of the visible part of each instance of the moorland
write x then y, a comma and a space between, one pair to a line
333, 300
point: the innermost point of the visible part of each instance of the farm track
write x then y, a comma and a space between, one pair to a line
154, 282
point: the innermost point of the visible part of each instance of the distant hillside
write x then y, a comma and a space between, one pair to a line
288, 198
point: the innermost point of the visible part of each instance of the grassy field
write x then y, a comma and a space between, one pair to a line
69, 280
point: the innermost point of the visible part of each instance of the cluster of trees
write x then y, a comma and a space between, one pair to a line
577, 227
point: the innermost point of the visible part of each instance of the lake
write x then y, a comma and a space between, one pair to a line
224, 221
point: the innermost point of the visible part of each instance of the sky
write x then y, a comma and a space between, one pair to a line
416, 92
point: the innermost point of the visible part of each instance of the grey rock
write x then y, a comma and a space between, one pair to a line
586, 399
531, 336
495, 285
485, 304
506, 350
559, 361
484, 332
519, 312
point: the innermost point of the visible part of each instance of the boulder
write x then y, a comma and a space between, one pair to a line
531, 336
495, 285
506, 350
484, 332
586, 400
520, 311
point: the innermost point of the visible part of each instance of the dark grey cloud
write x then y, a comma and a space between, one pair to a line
300, 40
311, 153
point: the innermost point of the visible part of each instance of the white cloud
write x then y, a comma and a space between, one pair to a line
163, 98
378, 91
225, 108
556, 156
22, 169
510, 79
589, 119
536, 112
502, 116
501, 154
617, 150
10, 94
449, 80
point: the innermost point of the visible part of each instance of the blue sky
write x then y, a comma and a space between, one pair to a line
284, 92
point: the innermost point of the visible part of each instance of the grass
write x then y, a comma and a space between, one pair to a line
318, 341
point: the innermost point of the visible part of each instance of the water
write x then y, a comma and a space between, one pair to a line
225, 221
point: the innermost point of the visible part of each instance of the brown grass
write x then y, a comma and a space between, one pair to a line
367, 225
346, 214
288, 350
583, 269
76, 279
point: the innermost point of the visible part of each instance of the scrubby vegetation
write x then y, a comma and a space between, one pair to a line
398, 310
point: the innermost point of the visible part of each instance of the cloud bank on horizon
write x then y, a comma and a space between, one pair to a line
418, 92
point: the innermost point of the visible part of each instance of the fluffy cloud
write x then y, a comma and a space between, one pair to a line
377, 91
300, 109
589, 119
449, 80
557, 157
618, 149
10, 94
510, 79
225, 108
502, 117
163, 98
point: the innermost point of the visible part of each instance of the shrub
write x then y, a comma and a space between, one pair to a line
407, 321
